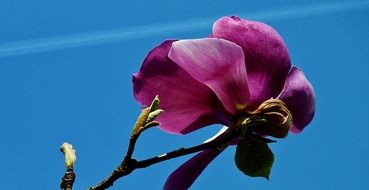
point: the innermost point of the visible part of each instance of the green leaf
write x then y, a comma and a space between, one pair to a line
254, 158
141, 121
155, 104
147, 117
153, 115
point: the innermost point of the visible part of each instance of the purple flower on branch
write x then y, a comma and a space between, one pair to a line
242, 69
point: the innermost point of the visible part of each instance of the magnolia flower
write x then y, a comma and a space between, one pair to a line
242, 69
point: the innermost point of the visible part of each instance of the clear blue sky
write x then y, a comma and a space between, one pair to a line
65, 75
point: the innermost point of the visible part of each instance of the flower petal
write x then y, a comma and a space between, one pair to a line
188, 104
217, 63
183, 177
220, 132
233, 141
266, 56
299, 97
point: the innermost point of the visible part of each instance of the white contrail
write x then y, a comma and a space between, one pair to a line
126, 34
308, 10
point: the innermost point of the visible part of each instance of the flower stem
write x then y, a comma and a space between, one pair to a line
175, 154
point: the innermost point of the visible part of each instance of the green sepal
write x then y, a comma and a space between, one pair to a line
261, 138
254, 158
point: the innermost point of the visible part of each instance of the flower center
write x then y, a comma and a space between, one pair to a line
239, 106
271, 118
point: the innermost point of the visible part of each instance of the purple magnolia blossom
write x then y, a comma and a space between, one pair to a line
212, 80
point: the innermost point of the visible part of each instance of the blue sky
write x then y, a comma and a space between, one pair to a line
65, 75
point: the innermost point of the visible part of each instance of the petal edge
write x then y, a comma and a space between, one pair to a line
299, 97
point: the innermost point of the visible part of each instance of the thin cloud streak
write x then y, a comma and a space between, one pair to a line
127, 34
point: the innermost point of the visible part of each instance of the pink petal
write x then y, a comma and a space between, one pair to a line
188, 104
266, 56
299, 97
186, 174
217, 63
